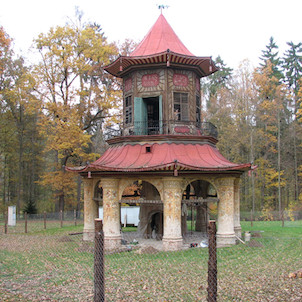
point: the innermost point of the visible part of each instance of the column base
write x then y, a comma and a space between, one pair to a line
88, 234
172, 244
112, 242
237, 231
225, 239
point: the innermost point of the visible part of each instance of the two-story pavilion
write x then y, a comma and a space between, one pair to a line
164, 146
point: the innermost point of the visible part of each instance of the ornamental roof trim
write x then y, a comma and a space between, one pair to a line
164, 156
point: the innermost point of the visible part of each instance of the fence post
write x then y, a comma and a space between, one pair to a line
44, 220
25, 218
5, 222
212, 264
61, 218
99, 282
282, 217
75, 216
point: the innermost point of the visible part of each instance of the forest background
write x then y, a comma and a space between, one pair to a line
55, 112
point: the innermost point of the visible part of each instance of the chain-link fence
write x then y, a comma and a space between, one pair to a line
55, 264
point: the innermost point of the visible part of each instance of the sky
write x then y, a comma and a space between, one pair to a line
234, 29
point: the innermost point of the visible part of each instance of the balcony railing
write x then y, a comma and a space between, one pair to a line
163, 127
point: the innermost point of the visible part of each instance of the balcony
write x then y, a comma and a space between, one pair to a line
187, 128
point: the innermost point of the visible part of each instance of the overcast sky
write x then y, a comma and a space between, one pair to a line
233, 29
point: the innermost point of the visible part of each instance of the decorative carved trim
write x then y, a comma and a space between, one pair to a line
181, 80
128, 84
158, 81
150, 80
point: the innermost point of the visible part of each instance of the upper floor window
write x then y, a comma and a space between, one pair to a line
181, 106
128, 109
198, 110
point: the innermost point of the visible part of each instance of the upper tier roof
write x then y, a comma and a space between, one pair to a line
161, 47
160, 38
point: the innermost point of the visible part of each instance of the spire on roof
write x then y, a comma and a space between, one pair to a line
160, 38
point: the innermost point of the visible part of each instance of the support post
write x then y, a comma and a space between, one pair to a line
25, 222
90, 209
237, 226
61, 218
212, 264
75, 216
5, 222
99, 284
225, 232
44, 220
111, 213
172, 239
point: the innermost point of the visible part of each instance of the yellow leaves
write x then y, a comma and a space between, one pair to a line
64, 130
59, 181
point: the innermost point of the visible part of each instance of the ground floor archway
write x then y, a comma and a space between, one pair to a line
164, 204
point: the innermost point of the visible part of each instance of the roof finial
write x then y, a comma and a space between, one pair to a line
161, 7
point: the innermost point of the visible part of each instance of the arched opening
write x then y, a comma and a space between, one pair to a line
98, 199
155, 226
198, 206
142, 200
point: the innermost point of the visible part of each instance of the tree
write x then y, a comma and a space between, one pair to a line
75, 95
18, 132
271, 56
270, 112
292, 65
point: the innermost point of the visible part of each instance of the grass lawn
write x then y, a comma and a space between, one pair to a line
55, 266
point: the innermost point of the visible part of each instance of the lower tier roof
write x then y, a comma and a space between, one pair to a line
162, 156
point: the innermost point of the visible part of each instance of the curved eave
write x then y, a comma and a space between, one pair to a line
165, 167
163, 157
204, 66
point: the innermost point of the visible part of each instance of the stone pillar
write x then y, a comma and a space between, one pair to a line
172, 239
237, 226
225, 232
111, 213
90, 209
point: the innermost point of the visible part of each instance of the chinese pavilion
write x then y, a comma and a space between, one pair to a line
163, 147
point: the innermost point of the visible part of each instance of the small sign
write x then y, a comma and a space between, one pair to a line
180, 79
11, 221
150, 80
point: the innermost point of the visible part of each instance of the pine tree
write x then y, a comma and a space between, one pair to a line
271, 54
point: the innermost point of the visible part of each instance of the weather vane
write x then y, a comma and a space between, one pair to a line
161, 7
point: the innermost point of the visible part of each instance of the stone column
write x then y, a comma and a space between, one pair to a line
225, 232
237, 226
111, 213
172, 239
90, 209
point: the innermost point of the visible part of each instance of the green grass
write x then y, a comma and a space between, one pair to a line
56, 266
274, 228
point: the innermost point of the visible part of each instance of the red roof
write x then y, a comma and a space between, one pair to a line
160, 38
161, 47
165, 156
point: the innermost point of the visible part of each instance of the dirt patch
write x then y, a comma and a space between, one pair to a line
147, 250
65, 239
256, 234
254, 243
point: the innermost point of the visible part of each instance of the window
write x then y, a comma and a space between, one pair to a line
128, 110
198, 109
181, 106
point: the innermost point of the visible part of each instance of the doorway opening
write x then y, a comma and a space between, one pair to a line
152, 104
